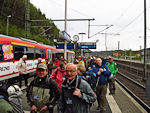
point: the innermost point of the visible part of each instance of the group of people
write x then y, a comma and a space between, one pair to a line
73, 87
102, 72
64, 88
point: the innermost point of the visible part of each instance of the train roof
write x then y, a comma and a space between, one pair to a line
26, 42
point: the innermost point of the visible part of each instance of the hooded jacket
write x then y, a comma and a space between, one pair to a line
58, 75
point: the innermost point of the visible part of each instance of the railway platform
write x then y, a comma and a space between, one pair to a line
120, 102
125, 102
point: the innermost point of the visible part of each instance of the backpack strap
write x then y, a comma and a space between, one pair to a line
56, 73
78, 82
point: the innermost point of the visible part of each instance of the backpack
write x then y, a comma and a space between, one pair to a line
91, 79
15, 98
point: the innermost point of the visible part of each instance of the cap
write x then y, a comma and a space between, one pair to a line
110, 57
39, 59
24, 56
42, 66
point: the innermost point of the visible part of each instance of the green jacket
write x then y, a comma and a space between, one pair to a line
112, 67
5, 107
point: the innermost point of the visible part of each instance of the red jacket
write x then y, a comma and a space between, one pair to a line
58, 77
56, 63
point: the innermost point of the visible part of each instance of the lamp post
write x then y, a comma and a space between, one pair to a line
65, 29
82, 41
9, 16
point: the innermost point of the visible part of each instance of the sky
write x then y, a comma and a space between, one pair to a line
125, 16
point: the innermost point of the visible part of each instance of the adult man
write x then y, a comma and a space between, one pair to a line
113, 68
77, 94
22, 68
101, 85
42, 93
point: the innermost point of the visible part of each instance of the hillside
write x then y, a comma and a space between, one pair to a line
16, 8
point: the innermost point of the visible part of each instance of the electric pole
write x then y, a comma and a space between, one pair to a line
27, 18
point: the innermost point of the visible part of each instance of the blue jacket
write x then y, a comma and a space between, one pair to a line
103, 77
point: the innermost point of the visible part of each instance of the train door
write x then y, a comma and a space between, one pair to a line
1, 53
56, 54
48, 54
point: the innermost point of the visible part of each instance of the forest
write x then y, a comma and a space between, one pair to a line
15, 10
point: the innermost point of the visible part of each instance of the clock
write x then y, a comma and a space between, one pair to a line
75, 38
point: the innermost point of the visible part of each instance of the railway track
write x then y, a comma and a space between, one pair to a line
135, 89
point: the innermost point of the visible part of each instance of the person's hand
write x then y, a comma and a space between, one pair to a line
101, 70
20, 73
43, 109
34, 108
77, 92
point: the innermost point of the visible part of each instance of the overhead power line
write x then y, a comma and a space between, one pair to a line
101, 31
131, 22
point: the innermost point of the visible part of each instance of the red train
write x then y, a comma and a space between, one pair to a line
12, 49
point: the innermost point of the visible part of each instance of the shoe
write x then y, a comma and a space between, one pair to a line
102, 111
97, 108
110, 93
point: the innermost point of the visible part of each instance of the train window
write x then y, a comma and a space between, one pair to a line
19, 51
30, 53
38, 53
43, 52
1, 53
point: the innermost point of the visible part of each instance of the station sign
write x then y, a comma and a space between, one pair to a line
64, 35
86, 45
61, 46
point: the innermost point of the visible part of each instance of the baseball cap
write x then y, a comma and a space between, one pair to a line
110, 57
24, 56
42, 66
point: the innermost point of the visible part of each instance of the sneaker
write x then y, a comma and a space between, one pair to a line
110, 93
102, 111
97, 108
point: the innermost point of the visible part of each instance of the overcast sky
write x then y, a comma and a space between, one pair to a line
126, 16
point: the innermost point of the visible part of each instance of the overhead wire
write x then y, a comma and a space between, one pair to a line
132, 21
124, 12
79, 12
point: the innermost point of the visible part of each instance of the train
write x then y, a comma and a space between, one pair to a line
13, 48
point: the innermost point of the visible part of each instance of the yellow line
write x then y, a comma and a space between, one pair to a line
22, 44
